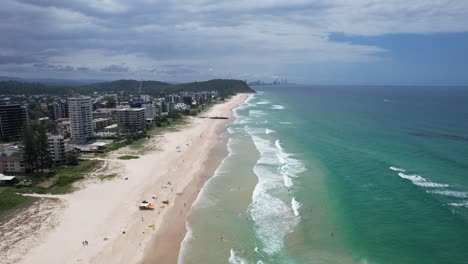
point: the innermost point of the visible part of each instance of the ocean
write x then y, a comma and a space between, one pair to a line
338, 174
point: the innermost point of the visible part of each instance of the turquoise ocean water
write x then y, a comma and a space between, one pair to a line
339, 175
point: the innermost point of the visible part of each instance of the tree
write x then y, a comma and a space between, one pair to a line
36, 147
163, 107
42, 143
71, 159
111, 103
29, 149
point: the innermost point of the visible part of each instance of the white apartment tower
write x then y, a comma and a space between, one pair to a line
80, 110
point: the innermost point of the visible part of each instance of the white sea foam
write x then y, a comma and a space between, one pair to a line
421, 181
281, 159
287, 181
270, 214
254, 130
269, 131
271, 217
285, 123
235, 259
462, 204
417, 179
295, 205
293, 167
397, 169
183, 246
277, 107
245, 120
263, 102
245, 104
278, 145
257, 113
203, 199
450, 193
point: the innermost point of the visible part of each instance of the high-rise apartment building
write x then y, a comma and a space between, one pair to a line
13, 119
131, 119
80, 110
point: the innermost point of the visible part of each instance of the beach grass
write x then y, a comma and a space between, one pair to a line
116, 145
67, 175
9, 201
108, 176
128, 157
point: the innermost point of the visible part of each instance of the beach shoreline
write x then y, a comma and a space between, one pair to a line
106, 214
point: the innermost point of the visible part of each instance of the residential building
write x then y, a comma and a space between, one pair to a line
131, 119
57, 148
157, 109
152, 110
44, 107
10, 164
80, 110
13, 119
103, 113
145, 98
170, 107
100, 123
58, 110
181, 107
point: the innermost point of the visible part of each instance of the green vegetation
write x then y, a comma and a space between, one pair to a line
11, 200
67, 175
224, 87
108, 176
116, 145
58, 181
36, 147
128, 157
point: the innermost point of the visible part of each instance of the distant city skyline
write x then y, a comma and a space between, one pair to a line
359, 42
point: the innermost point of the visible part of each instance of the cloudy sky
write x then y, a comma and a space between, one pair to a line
397, 42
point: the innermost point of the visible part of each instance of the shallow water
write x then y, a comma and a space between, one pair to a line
339, 175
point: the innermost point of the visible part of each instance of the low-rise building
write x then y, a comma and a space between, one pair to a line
100, 123
12, 164
56, 148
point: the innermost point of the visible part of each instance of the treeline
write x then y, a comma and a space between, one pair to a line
155, 88
36, 151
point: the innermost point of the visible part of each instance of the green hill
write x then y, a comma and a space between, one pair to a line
224, 87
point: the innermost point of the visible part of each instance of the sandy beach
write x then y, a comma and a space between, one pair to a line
106, 214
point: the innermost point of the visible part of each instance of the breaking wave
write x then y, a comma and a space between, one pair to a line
450, 193
277, 107
295, 206
462, 204
235, 259
273, 217
421, 181
263, 102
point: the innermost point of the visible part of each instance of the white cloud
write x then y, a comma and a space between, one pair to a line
210, 34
